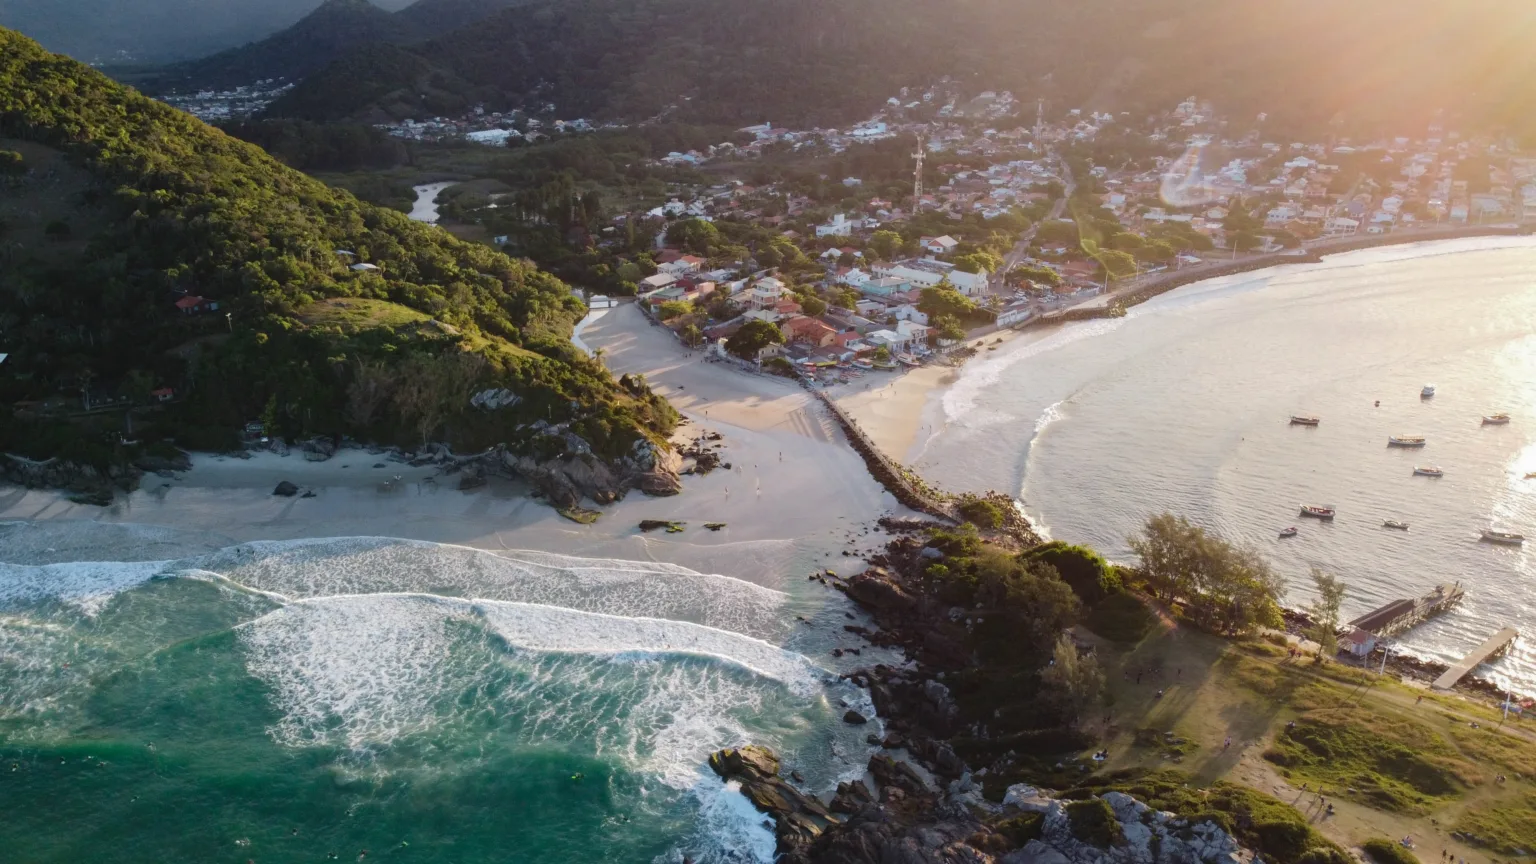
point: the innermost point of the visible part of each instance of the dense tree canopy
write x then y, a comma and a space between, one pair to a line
311, 285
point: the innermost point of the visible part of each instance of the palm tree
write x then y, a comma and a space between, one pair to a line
598, 354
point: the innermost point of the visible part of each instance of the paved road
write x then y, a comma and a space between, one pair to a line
1021, 249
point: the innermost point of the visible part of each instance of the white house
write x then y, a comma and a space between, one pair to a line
926, 273
854, 278
765, 293
839, 226
684, 265
1342, 226
939, 245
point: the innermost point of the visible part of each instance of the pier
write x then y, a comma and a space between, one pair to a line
1399, 615
1495, 645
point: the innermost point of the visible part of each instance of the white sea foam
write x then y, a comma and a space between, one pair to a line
366, 565
61, 540
87, 585
363, 671
731, 829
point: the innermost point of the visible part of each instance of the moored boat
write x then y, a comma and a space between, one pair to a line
1288, 532
1406, 441
1509, 538
1427, 471
1304, 420
1393, 523
1317, 512
1496, 419
1428, 391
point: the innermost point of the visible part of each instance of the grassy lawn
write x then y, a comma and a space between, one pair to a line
352, 314
1390, 762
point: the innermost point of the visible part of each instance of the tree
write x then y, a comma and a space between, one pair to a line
57, 230
673, 309
1324, 612
1073, 681
943, 300
752, 338
12, 164
947, 327
1118, 264
885, 245
977, 262
371, 386
846, 298
812, 305
1224, 587
1168, 547
694, 235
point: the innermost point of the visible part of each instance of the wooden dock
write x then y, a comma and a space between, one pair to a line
1495, 645
1400, 615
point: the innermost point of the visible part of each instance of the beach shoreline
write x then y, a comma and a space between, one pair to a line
793, 482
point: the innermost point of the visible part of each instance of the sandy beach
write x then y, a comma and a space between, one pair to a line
892, 408
795, 489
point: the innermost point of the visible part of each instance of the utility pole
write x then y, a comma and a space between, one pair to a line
917, 175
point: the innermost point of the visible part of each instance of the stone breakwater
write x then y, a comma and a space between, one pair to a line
904, 817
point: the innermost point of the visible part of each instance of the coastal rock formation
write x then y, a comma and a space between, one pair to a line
910, 822
577, 472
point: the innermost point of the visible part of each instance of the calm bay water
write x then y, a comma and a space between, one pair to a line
1183, 406
162, 699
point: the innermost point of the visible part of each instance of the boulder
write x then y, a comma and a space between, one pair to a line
1035, 852
855, 718
895, 774
286, 489
876, 589
798, 818
851, 797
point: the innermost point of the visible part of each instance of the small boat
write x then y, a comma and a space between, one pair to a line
1393, 523
1496, 420
1427, 471
1317, 512
864, 364
1288, 532
1300, 420
1406, 441
1428, 391
1508, 538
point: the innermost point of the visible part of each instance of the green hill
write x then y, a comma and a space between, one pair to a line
123, 222
1312, 66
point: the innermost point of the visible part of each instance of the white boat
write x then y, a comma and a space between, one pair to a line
1304, 420
1428, 391
1508, 538
1427, 471
1288, 532
1317, 512
1496, 420
1393, 523
1406, 441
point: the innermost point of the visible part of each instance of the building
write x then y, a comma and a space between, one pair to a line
839, 226
656, 282
1360, 642
938, 245
927, 273
193, 305
765, 293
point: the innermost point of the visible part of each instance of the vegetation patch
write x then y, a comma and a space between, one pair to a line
1021, 829
1120, 617
1169, 744
1384, 851
1274, 829
580, 514
1393, 764
1093, 822
1509, 827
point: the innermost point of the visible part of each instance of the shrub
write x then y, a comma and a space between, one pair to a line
1021, 829
11, 163
1085, 570
981, 513
1120, 617
1386, 852
1093, 822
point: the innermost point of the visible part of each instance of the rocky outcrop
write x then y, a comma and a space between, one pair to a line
576, 472
86, 483
286, 489
911, 822
798, 818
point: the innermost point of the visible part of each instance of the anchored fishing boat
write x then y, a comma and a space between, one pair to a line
1288, 532
1427, 471
1394, 524
1317, 512
1508, 538
1406, 441
1496, 420
1303, 420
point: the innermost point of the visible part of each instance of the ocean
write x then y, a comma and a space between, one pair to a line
1184, 404
166, 697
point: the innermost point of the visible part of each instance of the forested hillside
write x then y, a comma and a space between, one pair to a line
329, 32
1359, 66
151, 259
